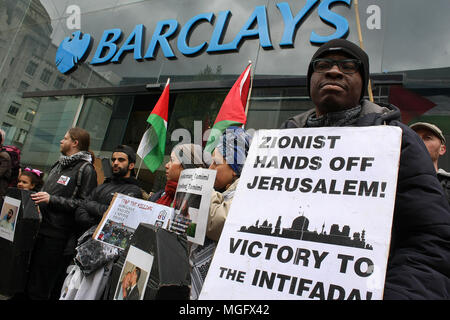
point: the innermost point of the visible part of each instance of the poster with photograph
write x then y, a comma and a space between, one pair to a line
124, 215
311, 217
8, 218
192, 202
134, 276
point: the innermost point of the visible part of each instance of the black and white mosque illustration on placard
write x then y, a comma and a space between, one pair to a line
299, 231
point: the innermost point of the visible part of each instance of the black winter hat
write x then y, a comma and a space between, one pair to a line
128, 151
342, 45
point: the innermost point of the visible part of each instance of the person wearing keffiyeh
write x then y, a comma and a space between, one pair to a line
228, 159
70, 181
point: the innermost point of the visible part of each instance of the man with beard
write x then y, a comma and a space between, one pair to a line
89, 214
70, 181
122, 181
419, 258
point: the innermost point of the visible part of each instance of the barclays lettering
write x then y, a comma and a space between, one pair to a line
71, 51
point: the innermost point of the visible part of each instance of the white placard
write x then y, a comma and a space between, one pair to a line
192, 202
124, 215
134, 276
8, 218
311, 217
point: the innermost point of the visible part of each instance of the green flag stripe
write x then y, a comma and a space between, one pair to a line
216, 131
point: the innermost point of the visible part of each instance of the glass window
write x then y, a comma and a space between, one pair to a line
59, 82
6, 126
29, 115
53, 117
270, 107
13, 109
22, 136
9, 131
23, 86
95, 118
31, 68
45, 75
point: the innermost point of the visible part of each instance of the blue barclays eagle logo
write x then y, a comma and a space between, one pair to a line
71, 51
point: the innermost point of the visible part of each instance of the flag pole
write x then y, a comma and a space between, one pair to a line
361, 44
140, 164
249, 91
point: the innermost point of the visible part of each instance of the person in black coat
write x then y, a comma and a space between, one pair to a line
435, 141
70, 181
419, 257
123, 160
134, 293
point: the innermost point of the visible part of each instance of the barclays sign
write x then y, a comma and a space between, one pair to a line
74, 50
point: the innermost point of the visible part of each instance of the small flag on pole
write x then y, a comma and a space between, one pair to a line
153, 142
232, 111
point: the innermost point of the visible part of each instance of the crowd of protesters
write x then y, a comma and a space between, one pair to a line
72, 204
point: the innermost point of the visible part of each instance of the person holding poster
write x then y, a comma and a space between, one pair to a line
183, 156
228, 159
419, 259
89, 214
91, 211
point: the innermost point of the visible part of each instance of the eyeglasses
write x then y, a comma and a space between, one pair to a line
347, 66
35, 171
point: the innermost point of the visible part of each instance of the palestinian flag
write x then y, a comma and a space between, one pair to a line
232, 111
153, 142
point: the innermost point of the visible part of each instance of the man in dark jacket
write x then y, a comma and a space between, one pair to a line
70, 181
434, 140
122, 181
419, 258
5, 167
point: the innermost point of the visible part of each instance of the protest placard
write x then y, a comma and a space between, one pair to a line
124, 215
311, 217
134, 275
8, 218
192, 202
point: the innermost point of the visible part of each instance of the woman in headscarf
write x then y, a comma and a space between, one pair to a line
228, 159
183, 156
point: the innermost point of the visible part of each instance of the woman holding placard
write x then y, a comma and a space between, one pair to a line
228, 159
183, 156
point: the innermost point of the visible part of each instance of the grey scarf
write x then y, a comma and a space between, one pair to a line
65, 161
335, 119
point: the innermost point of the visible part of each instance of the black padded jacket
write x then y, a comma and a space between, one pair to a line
91, 211
419, 256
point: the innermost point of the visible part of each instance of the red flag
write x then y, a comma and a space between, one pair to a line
162, 106
411, 105
232, 111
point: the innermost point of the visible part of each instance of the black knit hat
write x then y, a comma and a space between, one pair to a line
342, 45
128, 151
